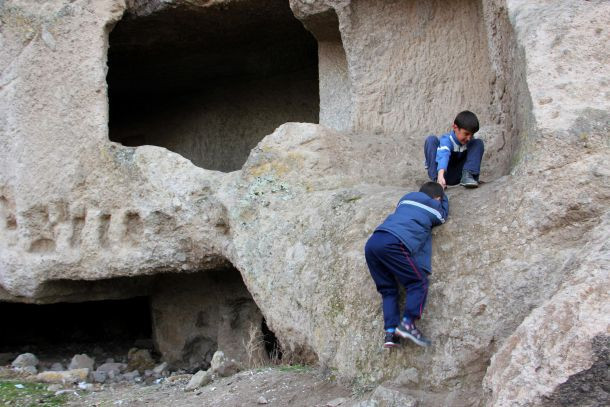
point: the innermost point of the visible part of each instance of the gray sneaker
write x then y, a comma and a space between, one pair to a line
468, 180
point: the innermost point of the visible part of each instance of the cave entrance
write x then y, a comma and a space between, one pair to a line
183, 319
196, 315
209, 82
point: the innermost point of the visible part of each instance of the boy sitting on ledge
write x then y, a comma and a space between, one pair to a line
456, 157
401, 249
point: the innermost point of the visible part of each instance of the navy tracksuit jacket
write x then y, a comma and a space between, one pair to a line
401, 249
449, 154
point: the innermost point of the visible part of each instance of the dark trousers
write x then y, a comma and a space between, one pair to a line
468, 160
391, 263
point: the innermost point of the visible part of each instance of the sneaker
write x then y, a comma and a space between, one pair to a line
410, 332
391, 340
468, 180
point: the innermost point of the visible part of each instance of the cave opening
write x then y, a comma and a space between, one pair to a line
271, 344
209, 82
181, 318
63, 329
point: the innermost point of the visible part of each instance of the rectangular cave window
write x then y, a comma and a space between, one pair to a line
210, 82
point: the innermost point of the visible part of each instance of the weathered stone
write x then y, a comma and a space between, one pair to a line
25, 360
57, 367
131, 376
112, 369
261, 400
558, 346
222, 365
160, 369
336, 402
407, 377
386, 397
199, 379
28, 370
99, 376
67, 376
139, 359
81, 362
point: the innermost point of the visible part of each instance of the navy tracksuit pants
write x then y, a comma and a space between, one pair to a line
391, 263
468, 160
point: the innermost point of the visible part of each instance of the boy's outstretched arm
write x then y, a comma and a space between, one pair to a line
443, 153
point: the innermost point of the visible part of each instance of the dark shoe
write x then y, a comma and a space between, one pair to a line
468, 180
410, 332
391, 340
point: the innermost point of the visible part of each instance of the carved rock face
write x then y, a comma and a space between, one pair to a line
293, 220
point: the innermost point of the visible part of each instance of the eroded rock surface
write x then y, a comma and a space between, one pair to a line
521, 262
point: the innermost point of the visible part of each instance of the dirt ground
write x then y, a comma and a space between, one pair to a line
278, 386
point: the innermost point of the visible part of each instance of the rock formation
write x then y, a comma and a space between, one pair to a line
518, 304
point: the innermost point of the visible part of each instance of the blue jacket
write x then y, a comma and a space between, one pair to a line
412, 222
449, 145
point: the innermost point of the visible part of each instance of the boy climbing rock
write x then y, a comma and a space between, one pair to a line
399, 251
456, 157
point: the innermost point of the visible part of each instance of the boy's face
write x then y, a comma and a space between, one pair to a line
463, 136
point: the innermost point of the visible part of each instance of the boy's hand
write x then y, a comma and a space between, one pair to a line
441, 179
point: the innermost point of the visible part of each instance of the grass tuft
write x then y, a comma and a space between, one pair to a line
32, 394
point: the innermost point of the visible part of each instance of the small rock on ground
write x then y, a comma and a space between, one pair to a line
199, 379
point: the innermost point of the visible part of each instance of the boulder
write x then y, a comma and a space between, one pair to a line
139, 359
65, 377
99, 376
336, 402
25, 360
387, 397
199, 379
223, 366
131, 376
112, 370
81, 362
160, 369
559, 353
28, 370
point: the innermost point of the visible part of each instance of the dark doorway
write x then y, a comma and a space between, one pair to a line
209, 82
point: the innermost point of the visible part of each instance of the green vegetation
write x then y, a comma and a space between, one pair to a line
32, 394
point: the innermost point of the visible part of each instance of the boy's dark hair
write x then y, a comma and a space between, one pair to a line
432, 189
468, 121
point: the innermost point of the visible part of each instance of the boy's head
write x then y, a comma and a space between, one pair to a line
433, 189
465, 125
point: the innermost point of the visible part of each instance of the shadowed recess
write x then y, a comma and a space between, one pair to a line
83, 322
209, 82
